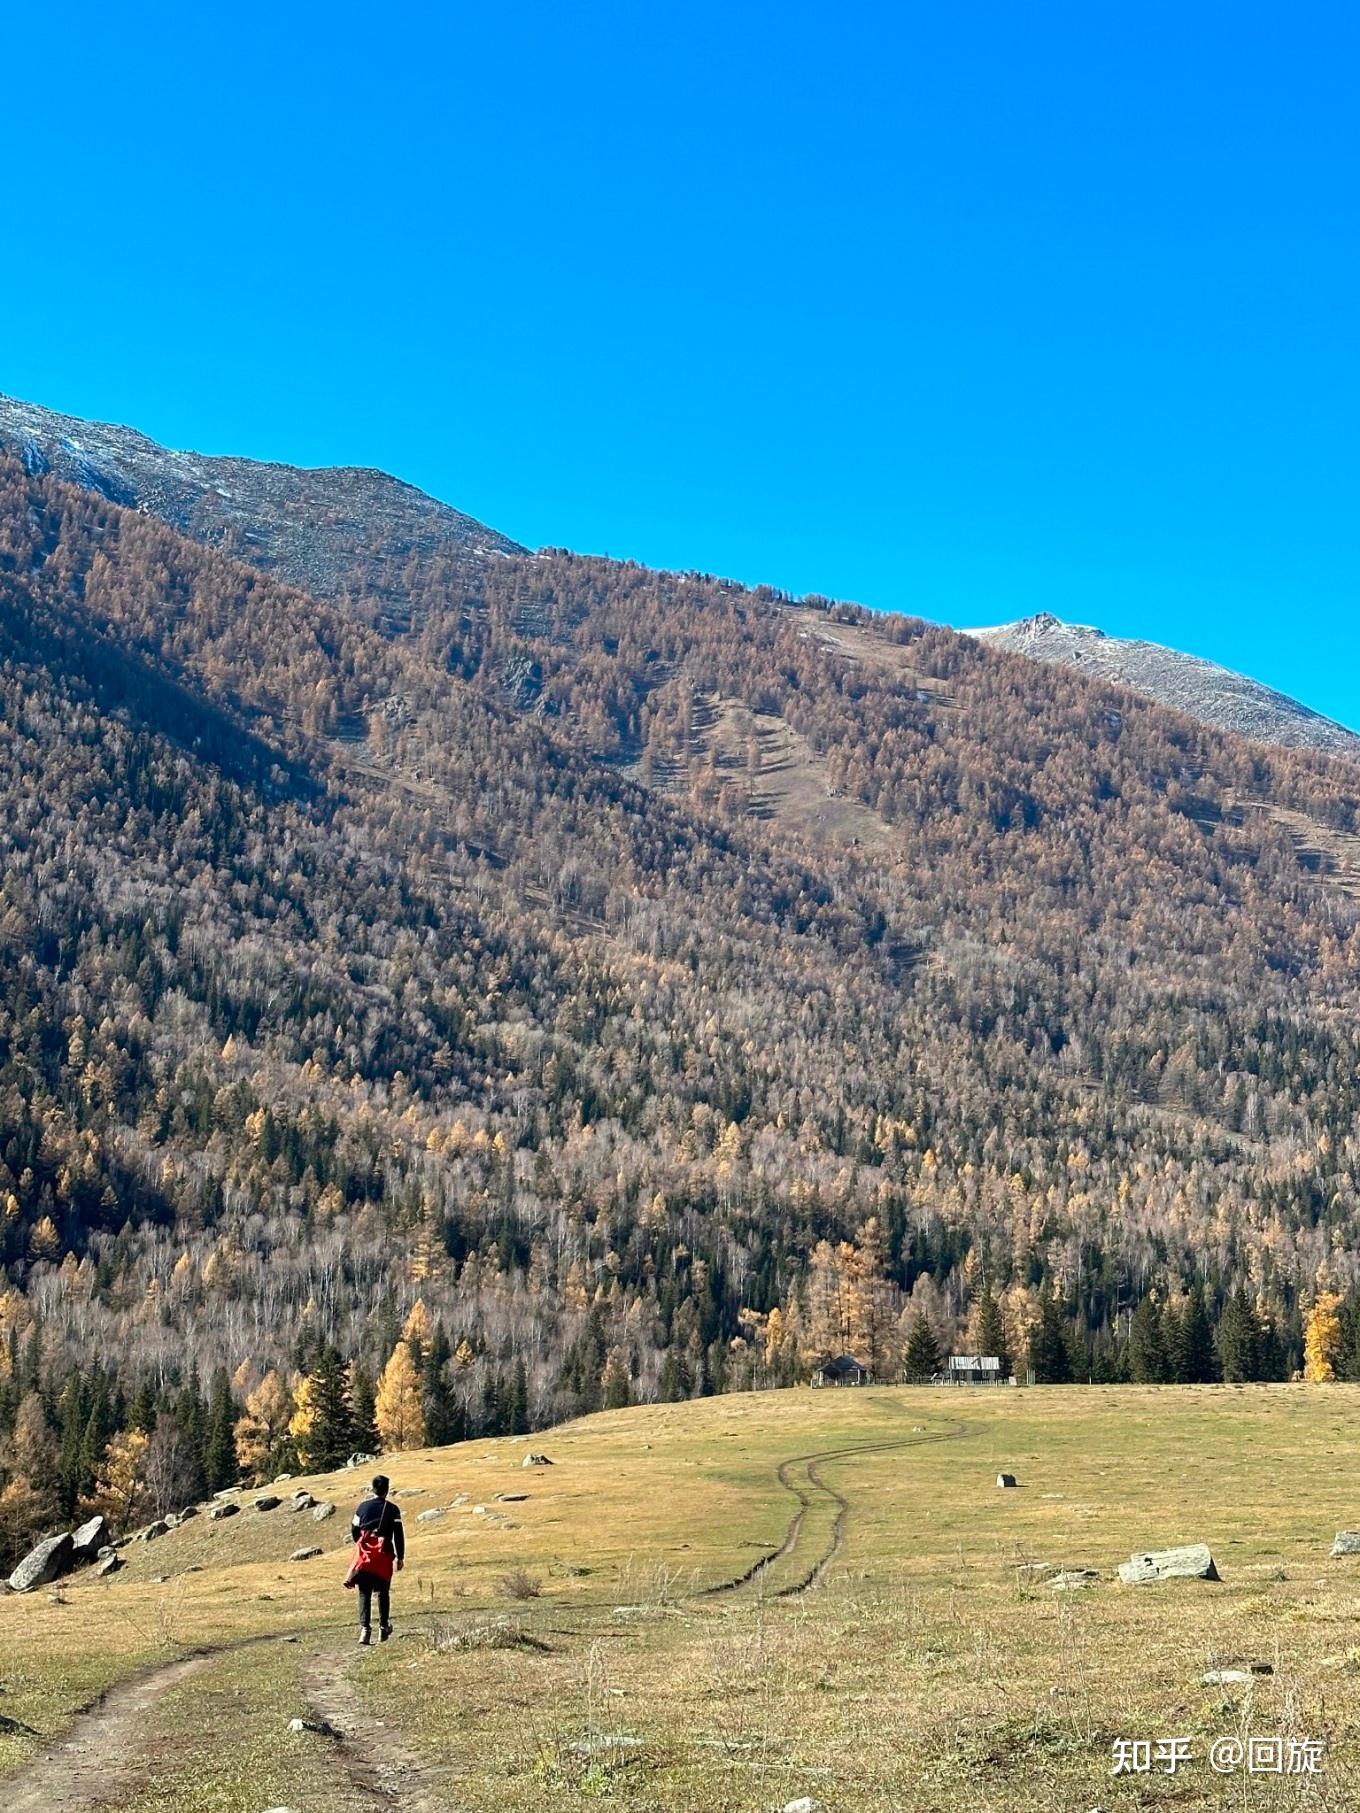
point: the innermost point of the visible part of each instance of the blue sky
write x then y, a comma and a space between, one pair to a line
969, 310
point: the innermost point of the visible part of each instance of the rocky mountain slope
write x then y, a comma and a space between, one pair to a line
1215, 695
332, 530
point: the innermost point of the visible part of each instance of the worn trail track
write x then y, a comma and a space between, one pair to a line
105, 1755
801, 1476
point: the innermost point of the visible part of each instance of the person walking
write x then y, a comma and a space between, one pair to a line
379, 1549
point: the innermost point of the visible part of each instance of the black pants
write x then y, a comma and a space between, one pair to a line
369, 1584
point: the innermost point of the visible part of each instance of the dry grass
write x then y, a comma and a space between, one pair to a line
933, 1667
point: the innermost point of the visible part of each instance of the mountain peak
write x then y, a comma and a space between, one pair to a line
1202, 689
330, 529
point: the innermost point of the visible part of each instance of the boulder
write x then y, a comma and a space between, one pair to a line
1225, 1677
305, 1554
535, 1460
322, 1727
42, 1564
430, 1515
188, 1512
1347, 1543
360, 1460
1190, 1562
301, 1501
153, 1530
322, 1512
267, 1501
110, 1564
225, 1509
1005, 1479
511, 1498
87, 1541
804, 1804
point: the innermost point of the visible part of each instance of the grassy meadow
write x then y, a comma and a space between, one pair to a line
614, 1636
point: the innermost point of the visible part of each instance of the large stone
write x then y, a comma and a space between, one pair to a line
432, 1515
267, 1501
360, 1460
322, 1512
1191, 1562
1005, 1479
225, 1509
301, 1501
153, 1530
87, 1541
42, 1564
1347, 1543
110, 1564
535, 1460
305, 1554
189, 1511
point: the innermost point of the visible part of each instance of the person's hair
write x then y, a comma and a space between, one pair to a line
380, 1484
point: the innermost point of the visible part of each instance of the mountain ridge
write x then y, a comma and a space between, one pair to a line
333, 530
1203, 689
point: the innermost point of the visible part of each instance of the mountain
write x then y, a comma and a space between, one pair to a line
540, 970
330, 530
1213, 694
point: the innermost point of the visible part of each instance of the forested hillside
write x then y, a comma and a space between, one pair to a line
577, 983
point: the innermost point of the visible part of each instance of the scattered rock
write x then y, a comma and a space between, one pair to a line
360, 1460
187, 1513
305, 1554
109, 1565
479, 1510
280, 1479
1071, 1580
1190, 1562
804, 1804
535, 1460
225, 1509
603, 1746
322, 1727
322, 1512
1347, 1543
153, 1530
1225, 1677
87, 1541
431, 1515
1005, 1479
456, 1503
301, 1501
511, 1498
410, 1492
267, 1501
227, 1492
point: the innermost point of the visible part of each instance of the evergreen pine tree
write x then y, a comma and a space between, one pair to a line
332, 1432
1195, 1342
922, 1359
1149, 1363
219, 1448
1238, 1341
1049, 1358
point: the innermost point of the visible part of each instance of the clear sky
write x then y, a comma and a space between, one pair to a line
970, 309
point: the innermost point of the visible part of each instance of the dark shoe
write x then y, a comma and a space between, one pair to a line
384, 1632
365, 1638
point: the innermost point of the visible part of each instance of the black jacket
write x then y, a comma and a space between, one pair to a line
382, 1515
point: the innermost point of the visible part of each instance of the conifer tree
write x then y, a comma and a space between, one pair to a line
219, 1449
1148, 1360
1049, 1358
1194, 1363
921, 1359
398, 1409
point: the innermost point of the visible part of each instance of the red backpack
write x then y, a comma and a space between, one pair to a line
372, 1554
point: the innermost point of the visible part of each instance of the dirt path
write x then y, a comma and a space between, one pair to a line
820, 1508
377, 1760
104, 1751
